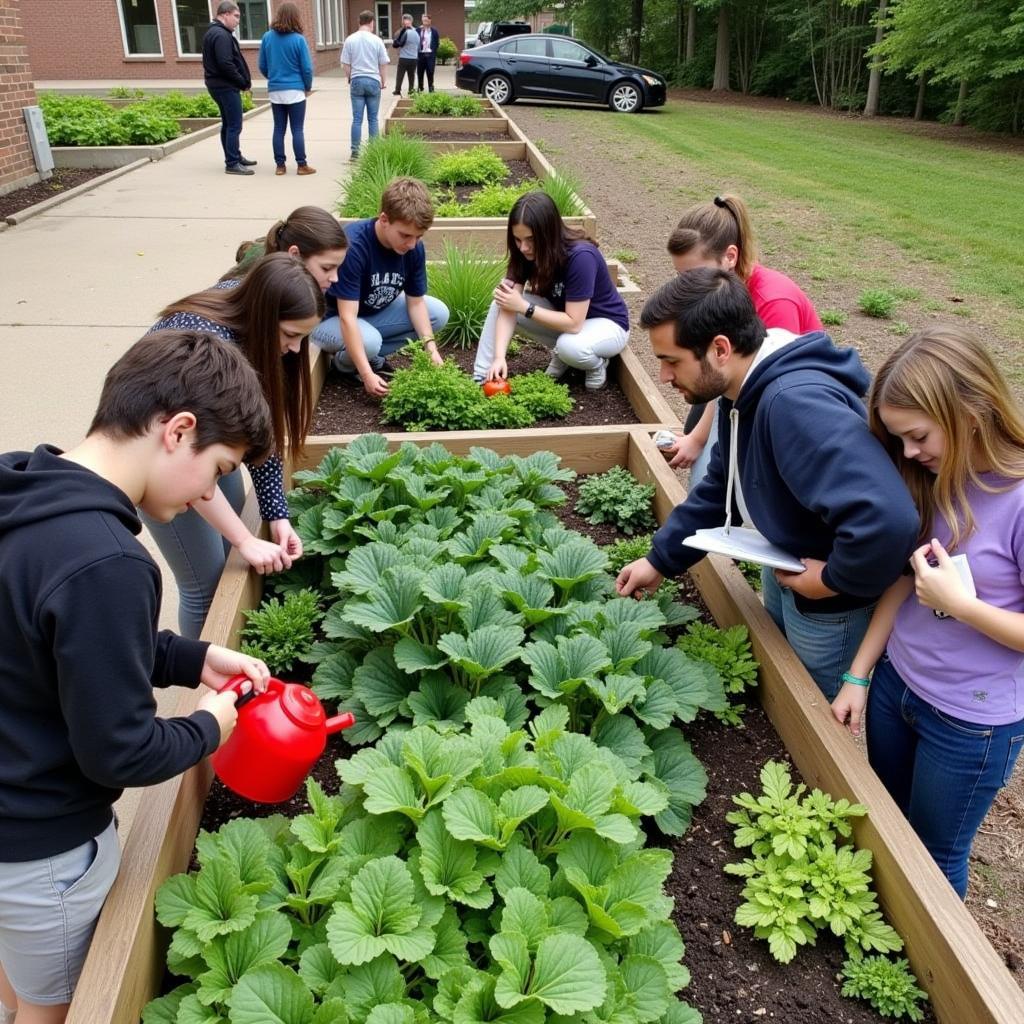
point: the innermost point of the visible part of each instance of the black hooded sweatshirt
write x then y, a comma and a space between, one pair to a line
79, 656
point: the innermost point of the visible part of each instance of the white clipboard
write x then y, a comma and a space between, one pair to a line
745, 545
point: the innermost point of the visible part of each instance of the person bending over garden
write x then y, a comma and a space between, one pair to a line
269, 316
805, 470
380, 299
310, 233
946, 702
79, 651
719, 234
572, 306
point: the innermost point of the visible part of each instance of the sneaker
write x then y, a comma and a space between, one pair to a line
238, 169
556, 368
305, 169
595, 379
280, 169
248, 163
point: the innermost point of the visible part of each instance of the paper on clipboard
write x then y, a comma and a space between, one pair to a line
744, 544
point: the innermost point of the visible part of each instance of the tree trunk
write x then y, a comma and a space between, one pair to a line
721, 79
958, 117
922, 84
875, 78
691, 31
635, 29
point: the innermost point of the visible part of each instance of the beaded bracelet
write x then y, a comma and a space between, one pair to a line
849, 677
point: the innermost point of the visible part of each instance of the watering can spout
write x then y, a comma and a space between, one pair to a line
339, 722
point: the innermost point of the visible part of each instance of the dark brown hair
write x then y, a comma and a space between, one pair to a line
713, 227
277, 288
310, 229
365, 17
168, 372
408, 200
551, 241
288, 19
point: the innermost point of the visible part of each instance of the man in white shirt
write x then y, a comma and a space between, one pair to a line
364, 61
427, 56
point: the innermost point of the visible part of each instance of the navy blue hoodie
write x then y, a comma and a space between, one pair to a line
79, 656
815, 480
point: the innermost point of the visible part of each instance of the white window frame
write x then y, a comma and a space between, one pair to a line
386, 4
330, 12
124, 33
270, 18
177, 32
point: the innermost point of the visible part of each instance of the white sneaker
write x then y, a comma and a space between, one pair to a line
556, 368
595, 379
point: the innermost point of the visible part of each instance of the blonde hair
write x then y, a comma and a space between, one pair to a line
408, 200
946, 372
714, 227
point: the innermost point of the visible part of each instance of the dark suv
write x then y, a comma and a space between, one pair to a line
500, 29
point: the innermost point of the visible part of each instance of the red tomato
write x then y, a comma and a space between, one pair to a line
496, 387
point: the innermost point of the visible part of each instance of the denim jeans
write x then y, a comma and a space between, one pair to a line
942, 772
229, 102
824, 641
383, 333
295, 113
365, 99
195, 553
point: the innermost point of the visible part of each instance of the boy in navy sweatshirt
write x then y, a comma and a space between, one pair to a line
807, 472
79, 649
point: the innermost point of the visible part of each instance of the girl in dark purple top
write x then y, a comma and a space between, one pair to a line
571, 307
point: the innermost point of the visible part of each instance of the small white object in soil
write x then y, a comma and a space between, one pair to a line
991, 904
664, 439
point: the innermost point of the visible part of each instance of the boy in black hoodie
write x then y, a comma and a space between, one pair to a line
807, 472
79, 648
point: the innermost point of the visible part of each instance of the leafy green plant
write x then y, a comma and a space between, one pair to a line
466, 106
87, 121
751, 573
281, 632
729, 652
629, 549
543, 396
616, 497
477, 166
464, 281
446, 50
886, 984
177, 104
833, 317
802, 877
625, 255
143, 125
490, 201
441, 104
877, 302
123, 92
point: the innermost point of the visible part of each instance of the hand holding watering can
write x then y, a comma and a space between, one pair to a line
279, 736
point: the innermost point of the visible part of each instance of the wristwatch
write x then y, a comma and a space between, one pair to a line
529, 311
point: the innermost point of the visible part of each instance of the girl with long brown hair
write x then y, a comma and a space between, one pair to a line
269, 315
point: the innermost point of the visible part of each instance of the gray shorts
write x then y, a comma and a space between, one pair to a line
48, 911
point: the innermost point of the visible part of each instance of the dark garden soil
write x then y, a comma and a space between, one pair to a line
346, 408
518, 172
62, 179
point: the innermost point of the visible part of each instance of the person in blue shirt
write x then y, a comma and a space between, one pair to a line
379, 301
285, 63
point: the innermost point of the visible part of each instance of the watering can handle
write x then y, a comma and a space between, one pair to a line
339, 722
235, 684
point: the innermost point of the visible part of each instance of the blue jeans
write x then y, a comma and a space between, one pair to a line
942, 772
824, 641
283, 114
196, 553
365, 99
383, 333
229, 102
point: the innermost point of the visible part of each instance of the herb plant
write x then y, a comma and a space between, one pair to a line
729, 652
629, 549
616, 497
281, 632
441, 104
491, 201
543, 396
477, 166
886, 984
464, 281
803, 875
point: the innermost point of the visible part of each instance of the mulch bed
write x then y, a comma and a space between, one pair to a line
63, 178
346, 408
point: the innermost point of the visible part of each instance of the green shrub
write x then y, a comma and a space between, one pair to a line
490, 201
877, 302
728, 651
465, 283
477, 166
616, 497
465, 106
123, 92
440, 104
543, 396
833, 317
886, 984
143, 126
281, 632
625, 255
177, 104
446, 50
87, 121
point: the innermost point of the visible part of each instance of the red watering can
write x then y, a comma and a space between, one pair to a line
279, 736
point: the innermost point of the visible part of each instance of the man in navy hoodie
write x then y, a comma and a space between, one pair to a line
227, 76
807, 472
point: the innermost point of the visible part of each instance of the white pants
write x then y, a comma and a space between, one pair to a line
599, 338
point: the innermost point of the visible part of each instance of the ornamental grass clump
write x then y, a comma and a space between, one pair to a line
464, 281
395, 155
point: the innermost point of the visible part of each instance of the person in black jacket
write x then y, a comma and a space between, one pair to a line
429, 40
227, 77
80, 653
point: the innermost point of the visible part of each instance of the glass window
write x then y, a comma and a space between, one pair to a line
528, 48
562, 49
255, 19
330, 28
384, 20
139, 27
417, 10
191, 20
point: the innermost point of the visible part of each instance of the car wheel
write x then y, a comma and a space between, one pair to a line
499, 88
626, 98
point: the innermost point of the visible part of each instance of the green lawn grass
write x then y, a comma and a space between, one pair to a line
960, 207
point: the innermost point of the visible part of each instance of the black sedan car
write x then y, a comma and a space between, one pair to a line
551, 67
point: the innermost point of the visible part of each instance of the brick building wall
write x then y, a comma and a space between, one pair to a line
16, 164
447, 16
83, 39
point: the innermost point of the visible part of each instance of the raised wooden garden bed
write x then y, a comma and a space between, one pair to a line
966, 980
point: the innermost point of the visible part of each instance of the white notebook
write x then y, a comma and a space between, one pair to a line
746, 545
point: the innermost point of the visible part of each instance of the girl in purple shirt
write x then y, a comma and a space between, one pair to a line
946, 703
